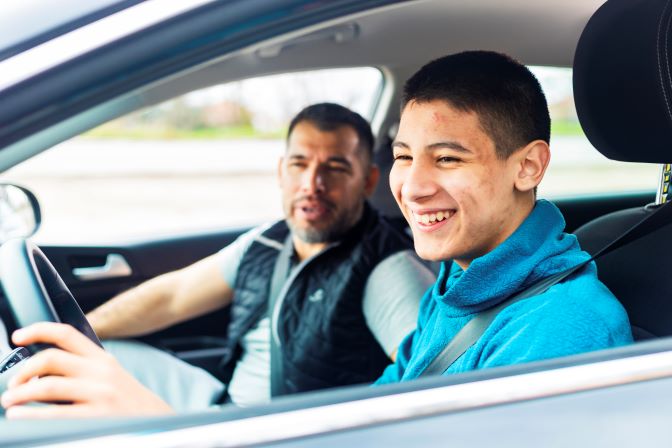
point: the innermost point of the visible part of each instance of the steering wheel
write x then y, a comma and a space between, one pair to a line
34, 290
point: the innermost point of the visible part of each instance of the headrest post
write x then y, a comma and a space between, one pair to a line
664, 191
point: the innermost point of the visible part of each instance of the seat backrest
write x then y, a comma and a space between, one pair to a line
623, 94
639, 274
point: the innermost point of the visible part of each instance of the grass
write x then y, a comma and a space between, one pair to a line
566, 128
164, 133
110, 131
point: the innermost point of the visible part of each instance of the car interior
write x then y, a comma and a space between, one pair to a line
384, 38
626, 124
390, 37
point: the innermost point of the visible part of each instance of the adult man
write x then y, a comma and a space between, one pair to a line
472, 146
350, 287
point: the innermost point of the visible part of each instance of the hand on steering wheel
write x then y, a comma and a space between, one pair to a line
76, 377
34, 290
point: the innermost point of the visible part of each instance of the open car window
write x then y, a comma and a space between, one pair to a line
206, 160
576, 167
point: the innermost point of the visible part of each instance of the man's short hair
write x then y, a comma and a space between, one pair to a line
330, 116
505, 95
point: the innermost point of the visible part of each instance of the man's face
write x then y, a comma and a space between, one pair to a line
457, 196
324, 181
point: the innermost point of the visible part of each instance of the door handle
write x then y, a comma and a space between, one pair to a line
115, 266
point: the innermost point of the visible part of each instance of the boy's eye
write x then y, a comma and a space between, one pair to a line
447, 159
402, 157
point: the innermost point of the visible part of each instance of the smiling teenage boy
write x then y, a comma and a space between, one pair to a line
472, 146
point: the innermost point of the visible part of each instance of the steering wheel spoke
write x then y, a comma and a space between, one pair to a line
35, 291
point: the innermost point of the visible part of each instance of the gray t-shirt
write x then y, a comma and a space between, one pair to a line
390, 305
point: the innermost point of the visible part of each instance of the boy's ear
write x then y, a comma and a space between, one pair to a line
372, 180
532, 161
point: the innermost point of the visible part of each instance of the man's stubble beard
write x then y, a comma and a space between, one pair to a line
334, 232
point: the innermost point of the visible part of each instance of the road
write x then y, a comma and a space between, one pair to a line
97, 191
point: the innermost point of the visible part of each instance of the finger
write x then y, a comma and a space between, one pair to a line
61, 335
51, 412
49, 362
48, 389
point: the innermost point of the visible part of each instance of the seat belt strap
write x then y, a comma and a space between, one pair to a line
475, 328
280, 275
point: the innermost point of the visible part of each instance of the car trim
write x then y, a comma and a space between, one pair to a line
61, 25
90, 37
397, 407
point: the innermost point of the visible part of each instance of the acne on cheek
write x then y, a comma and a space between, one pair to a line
487, 186
493, 173
438, 120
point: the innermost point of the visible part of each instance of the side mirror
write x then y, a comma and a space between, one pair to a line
19, 212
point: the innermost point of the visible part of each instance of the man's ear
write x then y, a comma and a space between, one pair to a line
372, 180
281, 161
532, 161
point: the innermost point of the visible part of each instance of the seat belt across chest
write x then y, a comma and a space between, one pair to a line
280, 274
475, 328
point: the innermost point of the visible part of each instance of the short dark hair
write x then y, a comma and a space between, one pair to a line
331, 116
505, 95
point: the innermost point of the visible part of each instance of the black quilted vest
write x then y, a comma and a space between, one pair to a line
325, 341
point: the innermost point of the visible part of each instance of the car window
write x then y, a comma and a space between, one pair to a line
576, 167
206, 160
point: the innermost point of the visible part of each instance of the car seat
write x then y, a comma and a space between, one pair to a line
623, 95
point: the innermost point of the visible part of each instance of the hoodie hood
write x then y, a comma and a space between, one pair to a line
537, 249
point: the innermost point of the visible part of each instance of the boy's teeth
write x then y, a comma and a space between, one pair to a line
428, 218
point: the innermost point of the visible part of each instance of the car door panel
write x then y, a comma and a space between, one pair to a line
198, 341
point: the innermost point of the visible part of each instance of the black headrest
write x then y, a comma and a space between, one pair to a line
623, 80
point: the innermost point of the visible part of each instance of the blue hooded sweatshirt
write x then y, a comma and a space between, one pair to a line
577, 315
